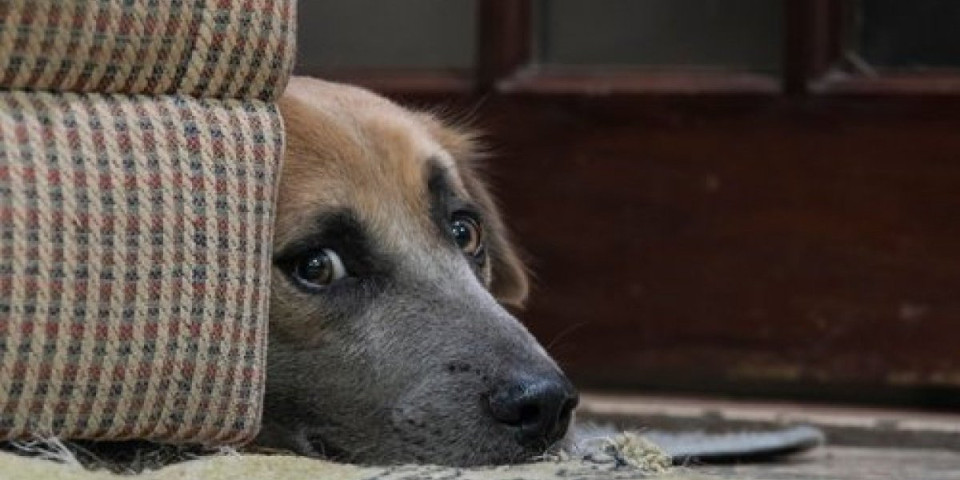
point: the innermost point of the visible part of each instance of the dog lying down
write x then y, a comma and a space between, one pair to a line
389, 342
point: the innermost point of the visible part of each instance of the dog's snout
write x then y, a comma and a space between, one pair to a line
540, 408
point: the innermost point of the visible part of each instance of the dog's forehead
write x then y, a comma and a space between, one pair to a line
350, 149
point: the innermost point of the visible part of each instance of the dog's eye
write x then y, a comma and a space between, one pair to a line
319, 269
468, 234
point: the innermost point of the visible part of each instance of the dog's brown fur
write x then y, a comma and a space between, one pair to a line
395, 366
401, 141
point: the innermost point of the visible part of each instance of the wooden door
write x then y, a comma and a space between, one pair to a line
750, 197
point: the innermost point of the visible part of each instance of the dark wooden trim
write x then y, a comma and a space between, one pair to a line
605, 81
504, 39
796, 53
392, 81
839, 82
816, 36
818, 39
813, 43
560, 81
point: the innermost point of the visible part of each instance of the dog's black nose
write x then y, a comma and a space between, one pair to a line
540, 408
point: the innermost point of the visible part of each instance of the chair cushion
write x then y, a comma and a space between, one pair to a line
223, 48
134, 265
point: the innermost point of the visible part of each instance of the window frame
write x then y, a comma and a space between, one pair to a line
505, 63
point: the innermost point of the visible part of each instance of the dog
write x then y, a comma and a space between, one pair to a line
389, 342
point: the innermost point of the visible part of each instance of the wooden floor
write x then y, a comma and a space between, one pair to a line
850, 463
862, 444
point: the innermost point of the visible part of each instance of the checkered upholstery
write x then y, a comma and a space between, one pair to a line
139, 154
213, 48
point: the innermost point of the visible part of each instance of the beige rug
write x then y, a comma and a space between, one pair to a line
624, 457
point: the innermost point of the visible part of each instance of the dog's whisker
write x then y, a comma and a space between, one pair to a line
565, 332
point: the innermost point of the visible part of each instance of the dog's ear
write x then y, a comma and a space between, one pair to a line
509, 281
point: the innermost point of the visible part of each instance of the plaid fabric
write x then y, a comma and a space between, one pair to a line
134, 265
214, 48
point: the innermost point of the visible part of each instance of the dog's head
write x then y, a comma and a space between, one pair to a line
388, 341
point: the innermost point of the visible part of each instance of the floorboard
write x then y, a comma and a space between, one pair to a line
850, 463
862, 443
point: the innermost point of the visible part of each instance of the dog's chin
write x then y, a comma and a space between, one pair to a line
320, 447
